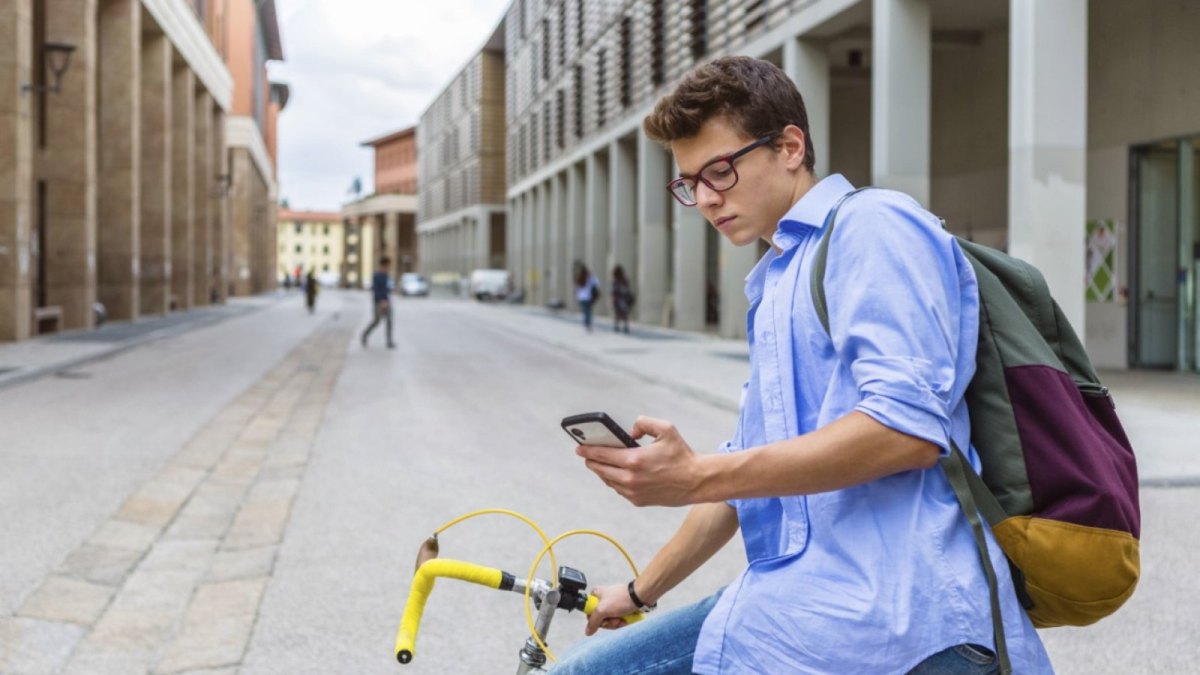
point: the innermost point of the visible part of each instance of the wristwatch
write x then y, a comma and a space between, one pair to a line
642, 607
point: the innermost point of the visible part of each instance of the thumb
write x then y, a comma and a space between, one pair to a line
649, 426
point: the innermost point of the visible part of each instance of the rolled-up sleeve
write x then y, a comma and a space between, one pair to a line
893, 294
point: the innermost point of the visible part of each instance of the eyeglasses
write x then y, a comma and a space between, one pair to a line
719, 174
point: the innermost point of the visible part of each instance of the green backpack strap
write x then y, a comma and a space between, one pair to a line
958, 471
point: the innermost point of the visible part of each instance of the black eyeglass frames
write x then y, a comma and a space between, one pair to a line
719, 174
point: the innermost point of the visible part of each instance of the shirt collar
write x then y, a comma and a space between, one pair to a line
810, 211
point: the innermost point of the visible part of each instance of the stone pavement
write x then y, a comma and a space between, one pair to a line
173, 579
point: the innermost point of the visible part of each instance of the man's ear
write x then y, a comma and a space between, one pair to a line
791, 141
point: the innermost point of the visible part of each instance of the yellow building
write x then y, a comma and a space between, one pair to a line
310, 240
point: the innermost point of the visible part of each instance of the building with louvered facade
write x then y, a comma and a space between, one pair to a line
461, 169
1035, 127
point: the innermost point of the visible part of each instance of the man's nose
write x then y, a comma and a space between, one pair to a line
706, 197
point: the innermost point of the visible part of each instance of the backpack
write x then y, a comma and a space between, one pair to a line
1059, 482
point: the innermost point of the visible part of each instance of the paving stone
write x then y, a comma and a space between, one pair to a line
257, 524
157, 502
101, 564
209, 512
122, 534
244, 564
65, 599
34, 646
216, 628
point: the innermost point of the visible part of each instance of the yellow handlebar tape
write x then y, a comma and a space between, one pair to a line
422, 586
592, 601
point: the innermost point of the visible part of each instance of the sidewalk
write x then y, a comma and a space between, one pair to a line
60, 352
1158, 409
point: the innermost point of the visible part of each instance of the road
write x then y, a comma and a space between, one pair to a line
248, 497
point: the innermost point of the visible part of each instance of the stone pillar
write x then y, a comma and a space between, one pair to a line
219, 206
900, 95
16, 150
156, 175
652, 276
622, 209
202, 239
68, 166
246, 246
597, 225
515, 263
119, 131
1047, 144
183, 184
1186, 360
687, 283
807, 63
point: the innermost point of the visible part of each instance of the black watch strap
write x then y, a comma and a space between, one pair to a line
642, 607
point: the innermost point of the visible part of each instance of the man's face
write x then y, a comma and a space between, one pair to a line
751, 209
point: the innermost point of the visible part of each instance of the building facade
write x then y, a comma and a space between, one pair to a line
113, 171
310, 241
384, 223
109, 187
1063, 132
251, 30
462, 214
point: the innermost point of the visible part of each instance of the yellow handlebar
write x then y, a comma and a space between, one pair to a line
632, 617
422, 586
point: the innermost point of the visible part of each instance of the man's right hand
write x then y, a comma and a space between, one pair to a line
614, 604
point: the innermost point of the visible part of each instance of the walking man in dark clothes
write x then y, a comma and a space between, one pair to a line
381, 291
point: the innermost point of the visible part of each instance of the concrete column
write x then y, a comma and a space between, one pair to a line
219, 209
183, 184
900, 95
735, 263
1186, 360
391, 225
16, 149
652, 276
597, 198
516, 214
1047, 144
202, 255
156, 174
562, 257
807, 63
576, 222
119, 131
69, 167
622, 209
537, 244
687, 283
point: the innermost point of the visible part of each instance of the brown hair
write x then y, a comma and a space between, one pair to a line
754, 95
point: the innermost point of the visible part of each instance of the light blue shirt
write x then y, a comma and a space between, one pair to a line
878, 577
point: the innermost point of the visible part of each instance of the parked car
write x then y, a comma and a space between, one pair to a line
490, 284
413, 284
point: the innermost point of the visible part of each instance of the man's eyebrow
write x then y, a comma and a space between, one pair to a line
710, 160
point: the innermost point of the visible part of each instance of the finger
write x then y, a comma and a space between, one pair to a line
650, 426
611, 475
610, 456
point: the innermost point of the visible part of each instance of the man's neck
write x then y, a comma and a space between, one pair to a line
804, 182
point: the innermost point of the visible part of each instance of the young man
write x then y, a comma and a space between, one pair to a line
381, 292
860, 558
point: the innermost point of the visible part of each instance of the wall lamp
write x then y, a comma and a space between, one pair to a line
58, 59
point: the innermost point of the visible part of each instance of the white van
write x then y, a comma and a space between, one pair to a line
490, 284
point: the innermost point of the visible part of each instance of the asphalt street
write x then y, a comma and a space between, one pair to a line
341, 460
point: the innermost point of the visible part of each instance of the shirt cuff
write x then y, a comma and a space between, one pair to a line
895, 391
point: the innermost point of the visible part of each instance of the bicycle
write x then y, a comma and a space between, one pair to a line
566, 590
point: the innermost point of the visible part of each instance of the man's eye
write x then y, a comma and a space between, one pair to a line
720, 171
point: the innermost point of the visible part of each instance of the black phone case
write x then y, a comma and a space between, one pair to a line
601, 418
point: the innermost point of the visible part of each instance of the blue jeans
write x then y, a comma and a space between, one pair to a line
664, 645
586, 307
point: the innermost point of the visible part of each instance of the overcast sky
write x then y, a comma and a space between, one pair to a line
360, 69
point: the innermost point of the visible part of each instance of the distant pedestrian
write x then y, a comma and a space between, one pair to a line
310, 290
622, 299
381, 293
587, 291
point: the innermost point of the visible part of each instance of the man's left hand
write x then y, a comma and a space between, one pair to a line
665, 473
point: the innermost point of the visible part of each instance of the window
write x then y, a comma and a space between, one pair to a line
299, 228
699, 18
658, 41
325, 250
325, 268
299, 248
626, 62
579, 24
578, 101
562, 35
546, 129
601, 60
545, 49
326, 229
560, 105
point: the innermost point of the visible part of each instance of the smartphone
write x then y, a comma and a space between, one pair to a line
597, 428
